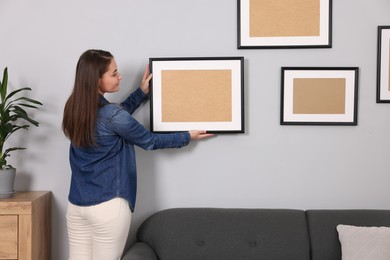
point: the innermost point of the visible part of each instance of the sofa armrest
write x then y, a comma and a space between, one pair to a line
140, 251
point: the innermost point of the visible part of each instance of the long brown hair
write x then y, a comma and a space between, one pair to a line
80, 110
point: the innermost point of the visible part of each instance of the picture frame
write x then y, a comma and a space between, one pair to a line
284, 24
197, 93
319, 95
383, 65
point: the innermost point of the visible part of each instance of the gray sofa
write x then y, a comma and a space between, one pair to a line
235, 234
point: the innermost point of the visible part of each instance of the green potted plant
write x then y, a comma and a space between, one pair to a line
13, 117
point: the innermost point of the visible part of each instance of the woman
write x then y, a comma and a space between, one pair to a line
102, 158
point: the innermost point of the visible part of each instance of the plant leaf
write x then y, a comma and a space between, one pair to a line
16, 128
6, 153
3, 161
25, 117
4, 83
29, 100
27, 105
18, 110
15, 92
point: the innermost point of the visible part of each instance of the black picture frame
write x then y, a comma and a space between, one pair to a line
383, 65
315, 32
197, 93
319, 95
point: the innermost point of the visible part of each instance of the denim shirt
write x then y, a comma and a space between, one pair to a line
108, 169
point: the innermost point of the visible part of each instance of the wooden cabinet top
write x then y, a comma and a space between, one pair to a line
23, 202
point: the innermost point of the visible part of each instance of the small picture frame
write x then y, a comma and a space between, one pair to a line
319, 95
205, 93
284, 24
383, 65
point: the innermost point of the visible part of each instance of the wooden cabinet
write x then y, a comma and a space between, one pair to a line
25, 226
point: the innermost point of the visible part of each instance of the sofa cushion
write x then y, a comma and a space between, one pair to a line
214, 234
359, 243
324, 239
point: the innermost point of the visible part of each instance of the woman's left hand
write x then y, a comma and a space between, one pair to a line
145, 81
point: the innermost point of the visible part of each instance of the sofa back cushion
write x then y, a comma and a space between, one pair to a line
324, 238
214, 234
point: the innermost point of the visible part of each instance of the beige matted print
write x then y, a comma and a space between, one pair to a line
196, 95
283, 18
319, 95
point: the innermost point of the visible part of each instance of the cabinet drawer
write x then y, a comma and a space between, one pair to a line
9, 237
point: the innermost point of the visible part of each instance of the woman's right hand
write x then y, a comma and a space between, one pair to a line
199, 134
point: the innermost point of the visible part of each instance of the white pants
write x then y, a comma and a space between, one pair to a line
98, 232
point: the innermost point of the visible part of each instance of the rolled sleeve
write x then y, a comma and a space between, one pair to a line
134, 100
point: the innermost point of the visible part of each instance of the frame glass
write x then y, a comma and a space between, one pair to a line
319, 95
383, 67
284, 24
197, 94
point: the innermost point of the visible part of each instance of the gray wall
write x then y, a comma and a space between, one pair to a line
269, 166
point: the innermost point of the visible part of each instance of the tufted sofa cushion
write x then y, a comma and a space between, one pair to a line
214, 234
